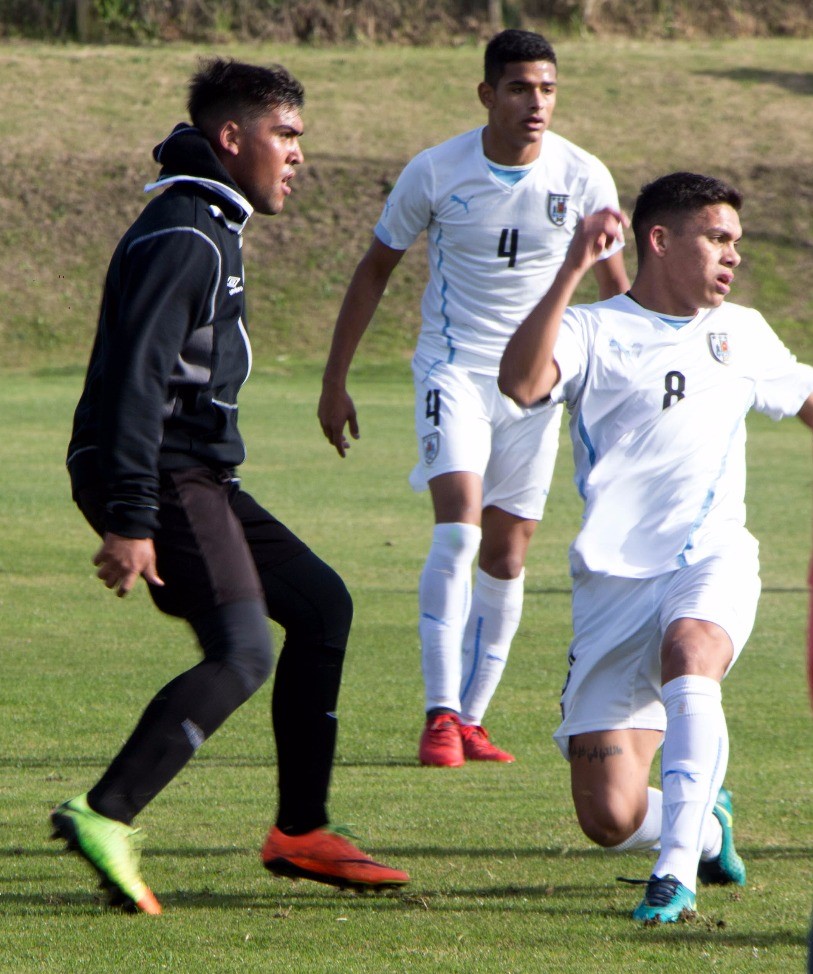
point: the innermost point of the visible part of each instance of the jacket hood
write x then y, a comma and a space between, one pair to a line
186, 154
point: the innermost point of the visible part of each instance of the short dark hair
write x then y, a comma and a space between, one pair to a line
671, 198
514, 45
224, 87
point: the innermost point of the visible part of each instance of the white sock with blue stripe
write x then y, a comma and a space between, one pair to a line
648, 833
496, 609
444, 597
695, 757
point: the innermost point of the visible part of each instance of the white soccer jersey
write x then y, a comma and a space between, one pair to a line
493, 249
658, 428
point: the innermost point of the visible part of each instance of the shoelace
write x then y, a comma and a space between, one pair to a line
446, 727
660, 890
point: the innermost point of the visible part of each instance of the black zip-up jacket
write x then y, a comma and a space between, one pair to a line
171, 349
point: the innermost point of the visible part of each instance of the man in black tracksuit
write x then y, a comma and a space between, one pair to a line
152, 464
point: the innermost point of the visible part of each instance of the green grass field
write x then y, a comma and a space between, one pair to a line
503, 881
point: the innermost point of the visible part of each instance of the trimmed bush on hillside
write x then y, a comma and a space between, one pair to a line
404, 21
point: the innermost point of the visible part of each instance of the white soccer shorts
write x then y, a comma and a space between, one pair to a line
464, 423
614, 680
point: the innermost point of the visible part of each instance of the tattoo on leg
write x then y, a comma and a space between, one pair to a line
594, 753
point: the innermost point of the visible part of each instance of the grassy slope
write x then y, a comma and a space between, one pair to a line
73, 171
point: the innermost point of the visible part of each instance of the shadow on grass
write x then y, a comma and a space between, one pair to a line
202, 761
403, 852
703, 929
799, 82
749, 853
783, 240
24, 763
59, 371
548, 901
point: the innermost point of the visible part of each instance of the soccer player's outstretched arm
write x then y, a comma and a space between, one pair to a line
528, 370
363, 295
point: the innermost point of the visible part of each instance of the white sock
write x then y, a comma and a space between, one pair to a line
693, 766
444, 596
496, 608
712, 839
648, 833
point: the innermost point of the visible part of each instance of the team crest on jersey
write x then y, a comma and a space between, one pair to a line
431, 448
557, 208
720, 348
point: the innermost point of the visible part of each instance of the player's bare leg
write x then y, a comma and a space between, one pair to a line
504, 547
617, 809
609, 779
610, 773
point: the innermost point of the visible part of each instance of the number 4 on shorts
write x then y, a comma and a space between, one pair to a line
433, 406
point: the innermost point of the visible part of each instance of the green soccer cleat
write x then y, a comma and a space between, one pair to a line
666, 900
728, 867
111, 848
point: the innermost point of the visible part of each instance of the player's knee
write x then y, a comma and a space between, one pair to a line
696, 647
456, 540
606, 836
504, 565
318, 609
335, 611
237, 635
605, 825
253, 662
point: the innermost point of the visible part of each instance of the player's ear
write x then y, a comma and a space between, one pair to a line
659, 239
228, 137
486, 94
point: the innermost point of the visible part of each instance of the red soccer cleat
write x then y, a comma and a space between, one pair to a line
441, 745
477, 746
326, 857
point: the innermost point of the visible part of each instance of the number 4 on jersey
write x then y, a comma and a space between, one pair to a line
509, 245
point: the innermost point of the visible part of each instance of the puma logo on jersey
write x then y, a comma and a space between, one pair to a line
632, 352
458, 199
234, 284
